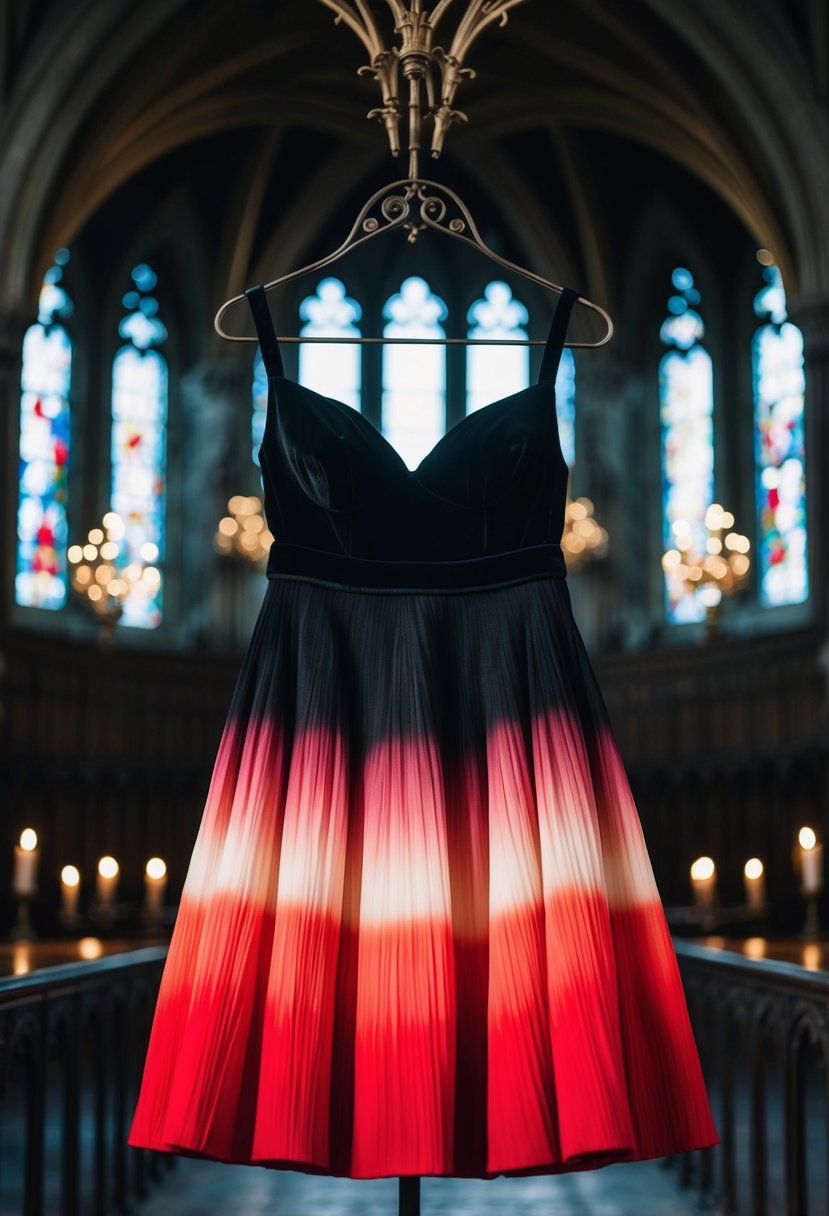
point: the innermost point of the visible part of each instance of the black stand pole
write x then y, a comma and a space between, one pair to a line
409, 1196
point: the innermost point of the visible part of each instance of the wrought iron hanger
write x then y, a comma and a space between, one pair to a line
416, 203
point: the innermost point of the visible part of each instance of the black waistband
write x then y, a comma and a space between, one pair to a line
298, 561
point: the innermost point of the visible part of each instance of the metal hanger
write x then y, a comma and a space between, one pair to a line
400, 210
416, 203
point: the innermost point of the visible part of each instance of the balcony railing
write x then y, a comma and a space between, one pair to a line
73, 1039
762, 1028
72, 1044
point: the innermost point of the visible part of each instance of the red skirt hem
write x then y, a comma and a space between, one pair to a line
583, 1161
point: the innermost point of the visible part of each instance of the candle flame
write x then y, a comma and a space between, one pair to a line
70, 876
21, 958
813, 957
28, 839
703, 867
753, 867
807, 838
108, 867
156, 868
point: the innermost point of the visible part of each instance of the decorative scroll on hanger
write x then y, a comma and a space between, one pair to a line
402, 210
426, 67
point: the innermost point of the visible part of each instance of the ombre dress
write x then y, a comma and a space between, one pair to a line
419, 932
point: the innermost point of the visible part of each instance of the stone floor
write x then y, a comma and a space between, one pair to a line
639, 1188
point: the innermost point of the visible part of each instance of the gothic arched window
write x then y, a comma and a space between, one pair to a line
330, 369
779, 387
494, 372
414, 377
40, 576
139, 443
686, 402
413, 408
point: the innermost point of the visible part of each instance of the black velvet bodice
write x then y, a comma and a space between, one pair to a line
494, 483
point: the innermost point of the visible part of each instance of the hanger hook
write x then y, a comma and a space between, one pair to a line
427, 68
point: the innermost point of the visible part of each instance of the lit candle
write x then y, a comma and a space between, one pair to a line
755, 882
155, 884
703, 879
21, 958
70, 886
26, 856
107, 881
811, 862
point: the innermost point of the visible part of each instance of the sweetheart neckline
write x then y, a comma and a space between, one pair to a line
416, 472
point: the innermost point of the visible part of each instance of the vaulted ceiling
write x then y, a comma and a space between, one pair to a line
574, 104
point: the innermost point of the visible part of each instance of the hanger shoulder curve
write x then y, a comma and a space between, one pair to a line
396, 210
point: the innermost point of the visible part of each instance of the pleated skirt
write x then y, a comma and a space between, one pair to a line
419, 932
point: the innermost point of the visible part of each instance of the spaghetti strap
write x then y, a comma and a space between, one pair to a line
555, 338
268, 344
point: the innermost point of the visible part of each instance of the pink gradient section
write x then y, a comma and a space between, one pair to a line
412, 966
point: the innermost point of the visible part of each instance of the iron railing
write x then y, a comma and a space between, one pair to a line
762, 1028
73, 1039
72, 1044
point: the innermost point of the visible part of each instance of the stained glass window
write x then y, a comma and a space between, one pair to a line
139, 441
686, 402
779, 386
566, 405
40, 577
414, 377
260, 404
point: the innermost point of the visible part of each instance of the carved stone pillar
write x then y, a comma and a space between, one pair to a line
607, 594
813, 318
216, 463
13, 325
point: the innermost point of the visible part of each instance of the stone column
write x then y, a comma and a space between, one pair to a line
609, 595
216, 463
813, 318
13, 325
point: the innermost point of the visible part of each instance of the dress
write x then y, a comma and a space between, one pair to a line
419, 931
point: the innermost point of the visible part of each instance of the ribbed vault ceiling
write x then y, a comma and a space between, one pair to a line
101, 91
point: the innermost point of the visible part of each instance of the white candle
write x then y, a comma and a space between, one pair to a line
811, 861
755, 882
21, 958
70, 887
26, 855
703, 880
155, 884
107, 880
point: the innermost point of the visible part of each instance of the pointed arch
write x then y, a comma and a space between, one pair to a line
686, 407
139, 446
779, 387
414, 377
333, 370
44, 448
494, 372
